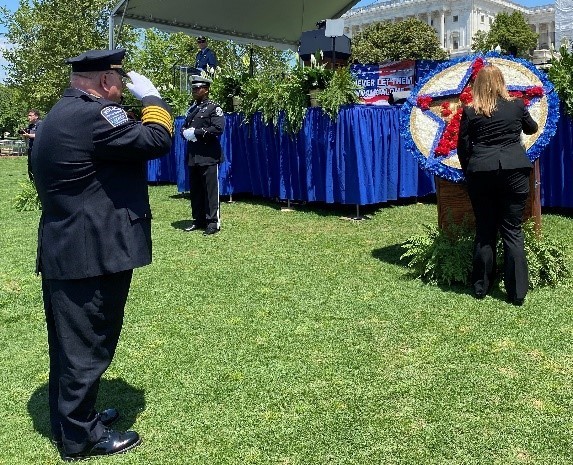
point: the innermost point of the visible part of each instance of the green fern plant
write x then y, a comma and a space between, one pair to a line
340, 90
271, 94
545, 258
441, 257
27, 199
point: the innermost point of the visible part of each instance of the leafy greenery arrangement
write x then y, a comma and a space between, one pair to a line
315, 76
226, 85
438, 256
341, 90
445, 257
27, 199
545, 257
272, 94
561, 74
178, 100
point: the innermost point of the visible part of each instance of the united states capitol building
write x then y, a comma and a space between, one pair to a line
457, 21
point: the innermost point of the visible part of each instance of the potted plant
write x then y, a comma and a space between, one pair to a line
315, 78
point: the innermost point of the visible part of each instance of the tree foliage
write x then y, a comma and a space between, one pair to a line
561, 74
42, 34
12, 110
161, 55
385, 41
511, 32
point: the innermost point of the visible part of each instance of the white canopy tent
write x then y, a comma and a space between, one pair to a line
261, 22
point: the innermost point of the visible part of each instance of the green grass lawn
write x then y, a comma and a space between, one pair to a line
299, 338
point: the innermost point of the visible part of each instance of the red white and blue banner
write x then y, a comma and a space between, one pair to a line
378, 81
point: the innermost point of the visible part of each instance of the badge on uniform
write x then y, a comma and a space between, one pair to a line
219, 111
115, 116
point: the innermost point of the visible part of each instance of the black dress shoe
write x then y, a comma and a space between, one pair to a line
211, 230
515, 301
111, 443
194, 227
108, 417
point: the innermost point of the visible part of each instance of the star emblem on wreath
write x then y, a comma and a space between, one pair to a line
434, 110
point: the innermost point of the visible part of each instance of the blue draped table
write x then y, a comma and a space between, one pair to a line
357, 159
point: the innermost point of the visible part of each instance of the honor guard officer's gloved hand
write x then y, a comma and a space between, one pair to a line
140, 86
189, 134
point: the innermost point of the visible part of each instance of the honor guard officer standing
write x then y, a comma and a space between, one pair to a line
204, 123
89, 164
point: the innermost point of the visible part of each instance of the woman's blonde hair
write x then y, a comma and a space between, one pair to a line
488, 86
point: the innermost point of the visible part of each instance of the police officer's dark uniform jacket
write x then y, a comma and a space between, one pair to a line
32, 129
208, 120
92, 159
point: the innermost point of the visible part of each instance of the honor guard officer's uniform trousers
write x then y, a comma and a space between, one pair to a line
204, 157
90, 167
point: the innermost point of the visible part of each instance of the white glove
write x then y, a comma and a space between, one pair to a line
140, 86
189, 134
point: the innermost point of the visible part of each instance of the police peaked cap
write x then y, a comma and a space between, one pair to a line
98, 60
200, 81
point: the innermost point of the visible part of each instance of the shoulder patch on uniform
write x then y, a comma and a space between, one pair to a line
219, 111
115, 116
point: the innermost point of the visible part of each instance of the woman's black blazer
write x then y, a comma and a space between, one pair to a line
489, 144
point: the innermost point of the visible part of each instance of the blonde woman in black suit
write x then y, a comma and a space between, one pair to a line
497, 170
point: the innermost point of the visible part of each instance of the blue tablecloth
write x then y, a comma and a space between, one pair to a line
357, 159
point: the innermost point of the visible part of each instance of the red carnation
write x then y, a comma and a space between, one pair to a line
446, 109
442, 149
476, 66
424, 102
534, 92
466, 96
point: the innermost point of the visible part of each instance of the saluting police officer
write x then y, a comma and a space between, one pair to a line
204, 123
89, 164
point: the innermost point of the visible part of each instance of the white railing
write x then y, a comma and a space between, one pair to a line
10, 147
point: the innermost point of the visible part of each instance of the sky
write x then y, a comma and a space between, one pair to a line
13, 5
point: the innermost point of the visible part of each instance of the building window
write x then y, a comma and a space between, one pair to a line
490, 21
455, 19
482, 19
455, 40
431, 22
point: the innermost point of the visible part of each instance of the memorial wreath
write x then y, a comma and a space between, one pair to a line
430, 119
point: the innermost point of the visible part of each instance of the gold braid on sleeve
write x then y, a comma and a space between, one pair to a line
158, 115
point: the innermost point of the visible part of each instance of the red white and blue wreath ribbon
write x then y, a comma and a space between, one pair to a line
430, 118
